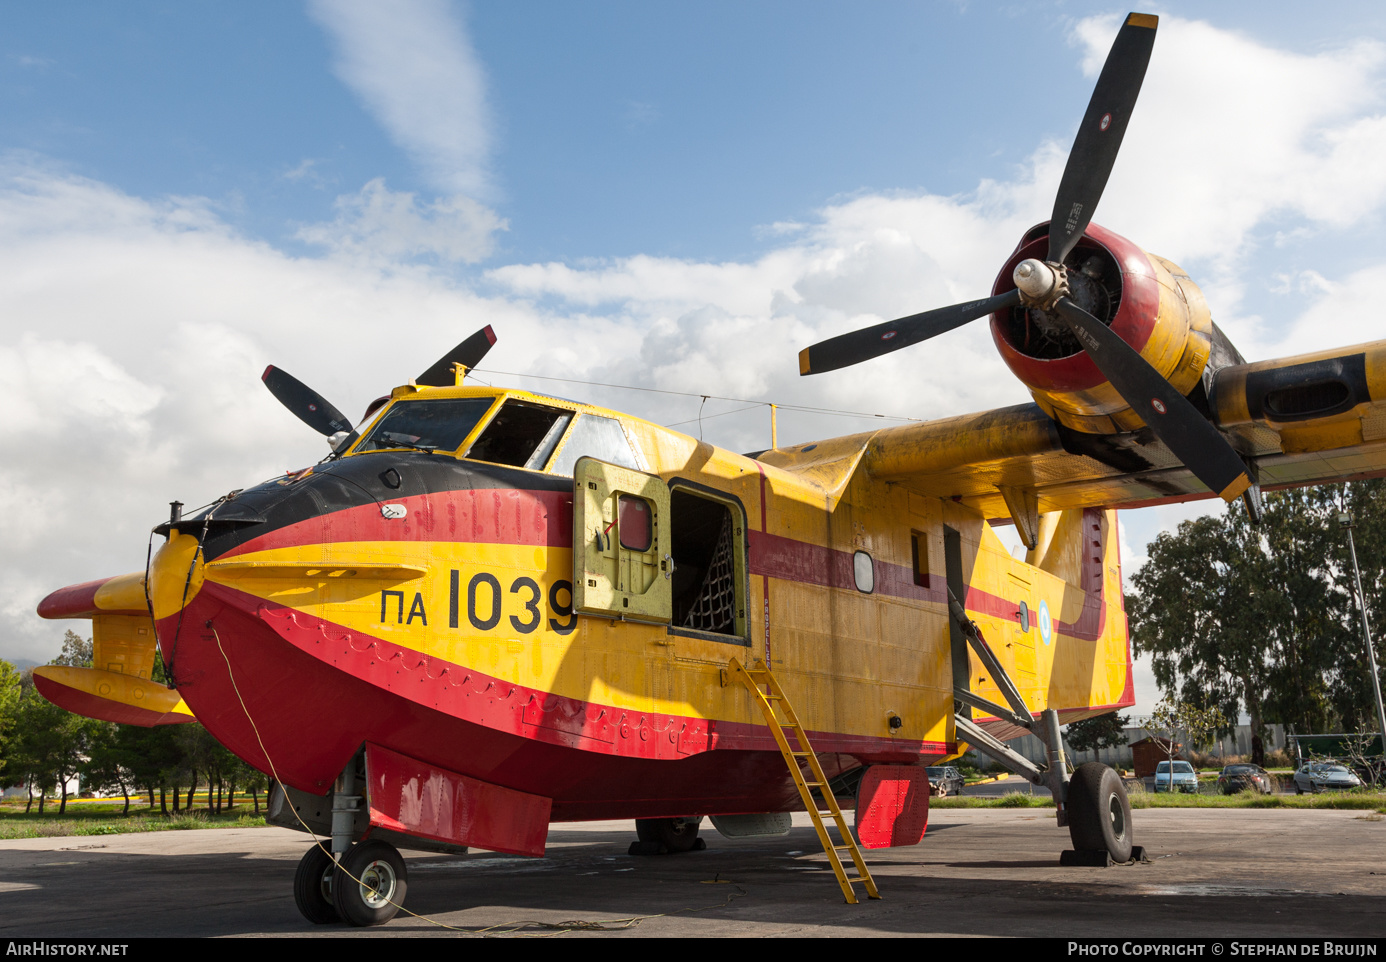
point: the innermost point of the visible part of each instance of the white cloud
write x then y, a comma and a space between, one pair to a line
1229, 133
413, 66
387, 225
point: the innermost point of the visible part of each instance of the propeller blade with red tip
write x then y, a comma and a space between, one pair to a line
469, 354
1099, 135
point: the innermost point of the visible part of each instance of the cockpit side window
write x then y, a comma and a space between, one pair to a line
521, 434
434, 425
597, 437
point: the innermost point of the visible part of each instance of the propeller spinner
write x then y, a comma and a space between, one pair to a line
1045, 285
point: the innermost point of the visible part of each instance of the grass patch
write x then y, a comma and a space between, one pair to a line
1009, 800
105, 818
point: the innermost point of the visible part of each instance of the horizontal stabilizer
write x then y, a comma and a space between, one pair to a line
111, 696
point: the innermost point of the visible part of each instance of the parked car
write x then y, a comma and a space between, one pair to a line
1185, 779
1324, 776
944, 780
1235, 778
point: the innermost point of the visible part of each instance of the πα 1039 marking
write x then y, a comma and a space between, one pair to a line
485, 601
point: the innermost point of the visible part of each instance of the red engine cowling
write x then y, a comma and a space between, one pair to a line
1147, 300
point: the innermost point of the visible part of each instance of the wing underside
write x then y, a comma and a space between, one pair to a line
1295, 421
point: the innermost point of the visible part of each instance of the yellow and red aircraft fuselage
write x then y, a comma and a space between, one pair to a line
443, 629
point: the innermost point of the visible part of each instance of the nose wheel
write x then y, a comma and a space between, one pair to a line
366, 888
369, 884
313, 886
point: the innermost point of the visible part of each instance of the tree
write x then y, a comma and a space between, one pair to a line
77, 651
9, 705
106, 765
1171, 719
1259, 619
1090, 734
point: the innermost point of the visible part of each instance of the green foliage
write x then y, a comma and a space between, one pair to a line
1171, 720
1262, 619
9, 705
76, 653
1104, 731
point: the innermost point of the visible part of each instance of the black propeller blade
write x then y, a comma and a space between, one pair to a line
310, 407
469, 354
857, 346
1175, 421
1099, 135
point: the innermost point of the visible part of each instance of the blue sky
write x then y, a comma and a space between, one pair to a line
618, 128
652, 194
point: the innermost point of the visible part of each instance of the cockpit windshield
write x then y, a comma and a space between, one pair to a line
434, 425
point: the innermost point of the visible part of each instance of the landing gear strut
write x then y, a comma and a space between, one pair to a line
1093, 803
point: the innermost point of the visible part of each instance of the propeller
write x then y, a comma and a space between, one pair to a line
308, 405
857, 346
1170, 415
318, 413
469, 354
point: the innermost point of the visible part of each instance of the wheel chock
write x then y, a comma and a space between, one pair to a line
1100, 858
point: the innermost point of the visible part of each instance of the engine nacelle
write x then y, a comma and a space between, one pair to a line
1151, 303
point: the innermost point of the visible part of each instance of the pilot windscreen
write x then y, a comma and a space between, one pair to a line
437, 425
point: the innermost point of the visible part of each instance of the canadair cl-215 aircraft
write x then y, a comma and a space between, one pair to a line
488, 610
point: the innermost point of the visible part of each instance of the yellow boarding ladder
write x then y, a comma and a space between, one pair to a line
759, 675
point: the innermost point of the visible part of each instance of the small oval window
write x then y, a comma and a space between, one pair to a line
1024, 617
864, 572
636, 530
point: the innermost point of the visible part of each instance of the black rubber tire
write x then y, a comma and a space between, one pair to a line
1099, 813
675, 834
380, 891
313, 887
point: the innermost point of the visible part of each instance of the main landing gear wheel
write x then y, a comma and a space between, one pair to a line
1099, 813
369, 886
674, 834
313, 886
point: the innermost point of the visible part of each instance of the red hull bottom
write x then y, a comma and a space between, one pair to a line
302, 714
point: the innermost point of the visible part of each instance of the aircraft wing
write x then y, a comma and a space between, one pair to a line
1296, 421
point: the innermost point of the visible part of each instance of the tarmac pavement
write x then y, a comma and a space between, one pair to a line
978, 872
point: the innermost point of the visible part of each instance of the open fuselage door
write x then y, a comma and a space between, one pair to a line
621, 558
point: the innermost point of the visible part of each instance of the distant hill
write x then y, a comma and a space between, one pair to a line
21, 663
